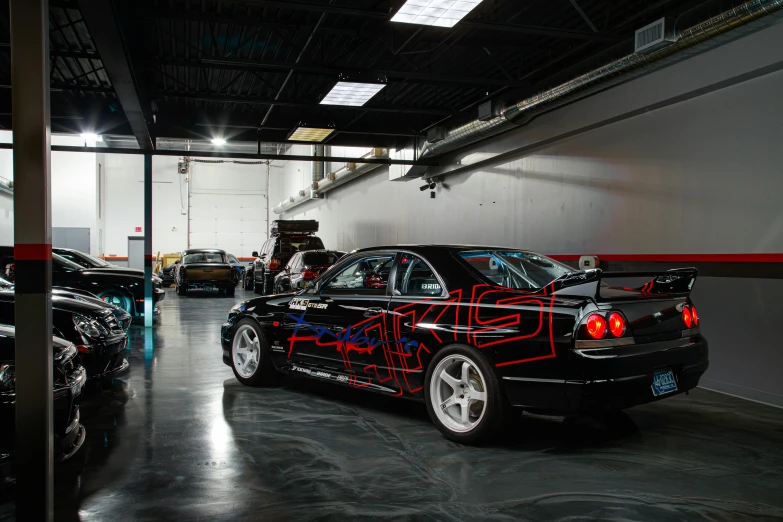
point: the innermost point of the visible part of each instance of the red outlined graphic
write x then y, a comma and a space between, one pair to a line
399, 338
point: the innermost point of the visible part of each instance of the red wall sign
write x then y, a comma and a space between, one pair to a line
138, 229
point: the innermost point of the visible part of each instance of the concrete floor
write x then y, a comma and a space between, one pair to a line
178, 438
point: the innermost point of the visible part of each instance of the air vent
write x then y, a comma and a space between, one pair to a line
435, 135
655, 35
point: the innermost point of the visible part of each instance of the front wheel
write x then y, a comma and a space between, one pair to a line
259, 287
182, 290
117, 298
230, 291
463, 395
250, 355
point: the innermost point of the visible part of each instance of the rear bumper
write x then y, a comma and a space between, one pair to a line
614, 381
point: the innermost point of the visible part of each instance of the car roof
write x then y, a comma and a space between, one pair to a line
441, 248
203, 251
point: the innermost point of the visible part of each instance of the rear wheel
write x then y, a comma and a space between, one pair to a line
463, 395
259, 287
118, 298
230, 291
250, 355
182, 290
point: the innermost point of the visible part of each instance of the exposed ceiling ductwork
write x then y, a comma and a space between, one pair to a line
748, 17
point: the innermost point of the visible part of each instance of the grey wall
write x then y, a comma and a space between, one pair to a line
690, 162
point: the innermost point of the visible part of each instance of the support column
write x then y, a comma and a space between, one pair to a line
148, 304
32, 258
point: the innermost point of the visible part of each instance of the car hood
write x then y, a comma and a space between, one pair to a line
79, 295
78, 307
58, 345
134, 272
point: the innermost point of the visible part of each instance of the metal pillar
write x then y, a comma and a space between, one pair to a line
148, 305
33, 258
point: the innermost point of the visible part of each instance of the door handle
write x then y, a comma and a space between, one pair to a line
373, 311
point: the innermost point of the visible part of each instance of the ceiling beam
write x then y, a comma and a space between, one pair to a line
305, 68
106, 33
554, 32
294, 103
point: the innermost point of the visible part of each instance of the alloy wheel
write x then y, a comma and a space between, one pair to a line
458, 393
246, 351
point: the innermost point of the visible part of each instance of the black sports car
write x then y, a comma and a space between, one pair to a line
99, 338
474, 330
168, 272
303, 267
123, 318
123, 287
69, 380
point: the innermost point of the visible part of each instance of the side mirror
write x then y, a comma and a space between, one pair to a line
254, 254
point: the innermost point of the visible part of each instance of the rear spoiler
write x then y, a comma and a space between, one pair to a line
677, 282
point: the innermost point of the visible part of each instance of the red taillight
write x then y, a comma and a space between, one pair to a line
82, 348
695, 316
274, 263
596, 326
616, 324
687, 317
309, 275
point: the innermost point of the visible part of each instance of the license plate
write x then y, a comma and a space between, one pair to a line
663, 382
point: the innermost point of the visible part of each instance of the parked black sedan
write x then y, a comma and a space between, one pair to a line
99, 338
303, 267
474, 330
123, 287
68, 380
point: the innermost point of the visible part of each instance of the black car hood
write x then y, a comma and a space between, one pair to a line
133, 272
7, 351
78, 307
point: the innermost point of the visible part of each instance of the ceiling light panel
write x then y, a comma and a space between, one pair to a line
352, 94
311, 134
440, 13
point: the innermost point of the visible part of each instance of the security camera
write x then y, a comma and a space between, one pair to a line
424, 187
432, 185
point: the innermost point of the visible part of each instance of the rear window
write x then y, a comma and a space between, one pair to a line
514, 268
204, 257
320, 259
287, 245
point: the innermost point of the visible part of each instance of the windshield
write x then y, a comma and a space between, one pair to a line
204, 257
290, 244
94, 261
515, 269
84, 259
65, 263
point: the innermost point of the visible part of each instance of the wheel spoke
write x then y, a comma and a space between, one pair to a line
478, 396
465, 412
241, 349
465, 373
246, 338
451, 401
448, 379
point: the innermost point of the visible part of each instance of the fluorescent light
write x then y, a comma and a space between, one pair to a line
441, 13
353, 94
313, 134
90, 139
218, 141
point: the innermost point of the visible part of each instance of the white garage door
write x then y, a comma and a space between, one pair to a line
228, 205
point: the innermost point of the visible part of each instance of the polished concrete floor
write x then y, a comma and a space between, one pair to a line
178, 438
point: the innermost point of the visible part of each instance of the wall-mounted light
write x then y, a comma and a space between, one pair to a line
90, 139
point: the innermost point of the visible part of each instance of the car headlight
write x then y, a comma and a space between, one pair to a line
7, 377
89, 327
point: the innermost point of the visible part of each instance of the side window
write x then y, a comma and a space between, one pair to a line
416, 278
294, 263
368, 275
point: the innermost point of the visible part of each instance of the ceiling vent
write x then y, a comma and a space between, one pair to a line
655, 35
488, 110
435, 135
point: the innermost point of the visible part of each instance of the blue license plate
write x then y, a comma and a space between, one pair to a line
663, 382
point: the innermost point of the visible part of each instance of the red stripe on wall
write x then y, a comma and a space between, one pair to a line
681, 258
32, 252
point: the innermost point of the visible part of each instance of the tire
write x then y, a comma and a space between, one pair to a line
481, 424
247, 282
181, 290
230, 291
263, 372
118, 298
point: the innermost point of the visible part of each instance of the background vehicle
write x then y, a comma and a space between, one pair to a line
288, 237
473, 330
236, 265
205, 268
84, 259
304, 267
98, 336
122, 287
168, 272
68, 380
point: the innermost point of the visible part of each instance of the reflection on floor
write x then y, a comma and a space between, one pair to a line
179, 439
